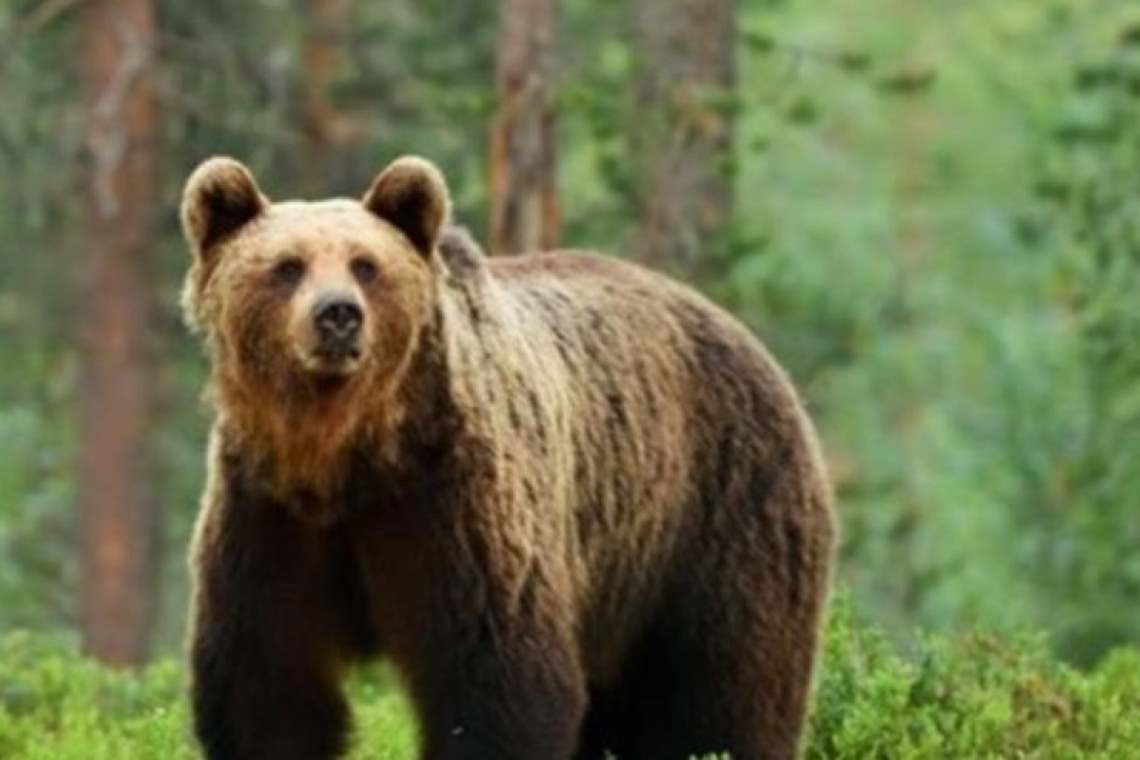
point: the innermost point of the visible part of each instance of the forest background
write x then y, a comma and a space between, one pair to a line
929, 211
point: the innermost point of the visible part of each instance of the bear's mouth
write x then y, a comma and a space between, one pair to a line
334, 361
337, 354
325, 383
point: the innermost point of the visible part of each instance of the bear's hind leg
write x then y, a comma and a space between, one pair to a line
727, 666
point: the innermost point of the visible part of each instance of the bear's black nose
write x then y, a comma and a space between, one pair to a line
337, 318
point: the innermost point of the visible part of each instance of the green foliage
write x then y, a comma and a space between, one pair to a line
1056, 415
936, 231
970, 362
1090, 211
978, 696
57, 705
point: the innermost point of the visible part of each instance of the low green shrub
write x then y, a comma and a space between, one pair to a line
58, 705
971, 697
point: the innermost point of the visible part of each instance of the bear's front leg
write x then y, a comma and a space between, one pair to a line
268, 634
519, 699
512, 688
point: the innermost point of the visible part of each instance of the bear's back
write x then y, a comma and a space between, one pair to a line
628, 320
643, 349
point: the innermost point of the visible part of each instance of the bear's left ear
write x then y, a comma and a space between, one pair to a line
411, 195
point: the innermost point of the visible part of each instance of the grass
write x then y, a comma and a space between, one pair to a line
975, 697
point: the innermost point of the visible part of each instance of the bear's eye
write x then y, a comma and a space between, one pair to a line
363, 270
289, 271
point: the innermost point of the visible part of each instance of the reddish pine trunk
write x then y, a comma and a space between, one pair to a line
326, 129
117, 379
685, 51
524, 197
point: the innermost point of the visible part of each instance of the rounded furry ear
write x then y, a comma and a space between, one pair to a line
411, 195
220, 197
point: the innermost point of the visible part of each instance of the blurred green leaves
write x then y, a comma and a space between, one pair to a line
926, 274
937, 230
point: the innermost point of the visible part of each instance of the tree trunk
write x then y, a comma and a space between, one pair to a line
524, 197
326, 129
117, 511
686, 54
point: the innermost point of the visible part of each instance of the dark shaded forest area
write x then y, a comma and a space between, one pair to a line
930, 212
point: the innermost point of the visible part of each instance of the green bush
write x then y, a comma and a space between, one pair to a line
58, 705
976, 697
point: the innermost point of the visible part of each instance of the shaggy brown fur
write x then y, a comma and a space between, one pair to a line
577, 505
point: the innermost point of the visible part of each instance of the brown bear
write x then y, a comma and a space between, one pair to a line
577, 505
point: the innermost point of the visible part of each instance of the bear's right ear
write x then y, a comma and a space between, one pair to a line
220, 197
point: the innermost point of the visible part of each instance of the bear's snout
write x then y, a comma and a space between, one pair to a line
337, 320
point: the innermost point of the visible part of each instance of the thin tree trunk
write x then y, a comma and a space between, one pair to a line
685, 51
326, 130
117, 511
525, 214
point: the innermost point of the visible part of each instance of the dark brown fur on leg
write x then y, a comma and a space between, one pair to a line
515, 694
503, 703
493, 675
727, 668
271, 629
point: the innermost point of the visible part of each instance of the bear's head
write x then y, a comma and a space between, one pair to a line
310, 310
